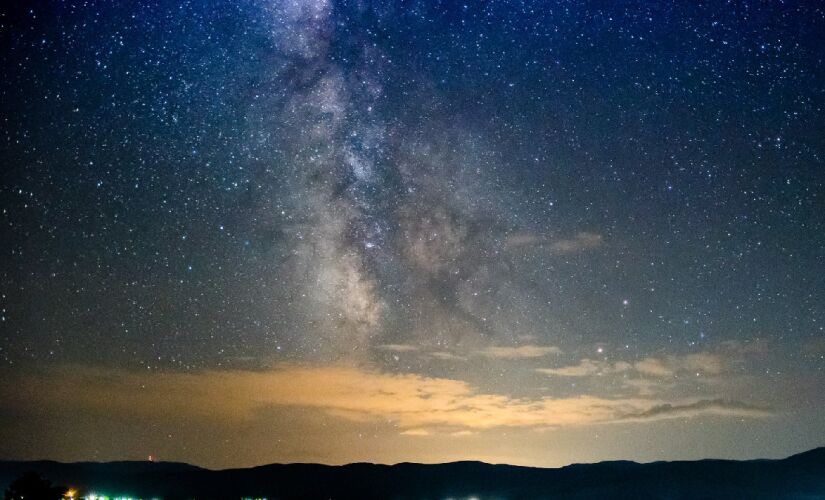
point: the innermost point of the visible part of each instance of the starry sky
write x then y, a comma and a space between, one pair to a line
533, 232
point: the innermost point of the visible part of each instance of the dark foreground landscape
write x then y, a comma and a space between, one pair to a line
798, 476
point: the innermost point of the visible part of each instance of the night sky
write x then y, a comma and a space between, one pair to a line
532, 232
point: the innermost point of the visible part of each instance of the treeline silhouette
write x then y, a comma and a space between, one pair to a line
31, 486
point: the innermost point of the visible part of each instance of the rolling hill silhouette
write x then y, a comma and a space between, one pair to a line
799, 476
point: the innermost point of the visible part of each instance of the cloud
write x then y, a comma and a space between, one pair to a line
414, 403
582, 241
416, 432
587, 367
447, 356
667, 366
708, 363
706, 406
462, 433
521, 352
654, 367
740, 348
646, 386
397, 347
522, 238
814, 348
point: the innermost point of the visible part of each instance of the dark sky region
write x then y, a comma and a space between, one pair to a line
240, 232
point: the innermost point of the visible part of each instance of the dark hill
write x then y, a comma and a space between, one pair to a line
799, 476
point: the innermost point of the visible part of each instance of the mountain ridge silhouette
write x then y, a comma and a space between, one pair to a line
800, 476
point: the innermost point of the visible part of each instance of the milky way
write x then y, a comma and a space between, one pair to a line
328, 230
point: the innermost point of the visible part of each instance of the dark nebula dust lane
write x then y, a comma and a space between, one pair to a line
539, 233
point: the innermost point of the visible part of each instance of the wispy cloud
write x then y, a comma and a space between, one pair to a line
415, 403
714, 406
415, 432
666, 366
814, 348
462, 433
447, 356
397, 347
708, 363
520, 352
581, 241
587, 367
646, 386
